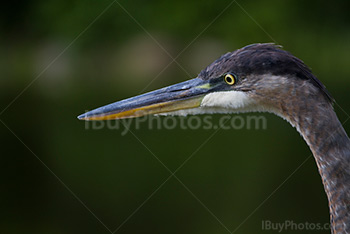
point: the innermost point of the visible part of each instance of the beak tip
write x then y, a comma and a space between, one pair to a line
82, 117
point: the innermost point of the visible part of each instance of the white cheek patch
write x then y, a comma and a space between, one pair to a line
228, 100
220, 102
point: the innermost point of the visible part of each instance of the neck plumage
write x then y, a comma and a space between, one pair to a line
330, 146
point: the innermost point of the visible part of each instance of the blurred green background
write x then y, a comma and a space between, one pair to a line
60, 58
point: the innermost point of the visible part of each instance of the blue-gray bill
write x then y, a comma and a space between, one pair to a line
185, 95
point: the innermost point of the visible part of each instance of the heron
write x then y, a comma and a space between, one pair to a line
260, 77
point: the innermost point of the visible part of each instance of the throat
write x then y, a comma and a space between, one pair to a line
330, 146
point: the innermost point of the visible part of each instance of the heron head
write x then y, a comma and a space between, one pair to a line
258, 77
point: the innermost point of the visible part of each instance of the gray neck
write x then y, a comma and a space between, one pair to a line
330, 146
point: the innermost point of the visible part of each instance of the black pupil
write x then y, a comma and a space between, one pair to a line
229, 79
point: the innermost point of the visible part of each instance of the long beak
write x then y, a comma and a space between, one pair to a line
185, 95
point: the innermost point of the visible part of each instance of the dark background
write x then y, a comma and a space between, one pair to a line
60, 58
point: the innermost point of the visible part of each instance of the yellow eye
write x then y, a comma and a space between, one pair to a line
230, 79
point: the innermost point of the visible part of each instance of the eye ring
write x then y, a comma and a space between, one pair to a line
230, 79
